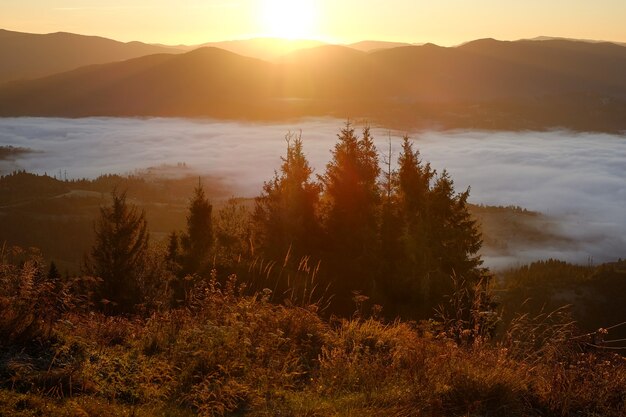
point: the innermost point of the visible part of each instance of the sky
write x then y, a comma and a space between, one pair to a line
444, 22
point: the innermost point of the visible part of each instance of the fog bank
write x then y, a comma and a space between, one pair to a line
579, 180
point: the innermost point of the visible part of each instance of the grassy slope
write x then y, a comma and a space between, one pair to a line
230, 354
235, 353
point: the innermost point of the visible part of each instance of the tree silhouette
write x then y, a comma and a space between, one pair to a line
458, 238
189, 252
119, 253
197, 241
414, 261
285, 213
352, 198
403, 242
440, 238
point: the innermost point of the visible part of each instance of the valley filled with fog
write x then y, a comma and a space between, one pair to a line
576, 180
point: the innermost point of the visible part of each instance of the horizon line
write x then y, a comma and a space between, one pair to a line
249, 37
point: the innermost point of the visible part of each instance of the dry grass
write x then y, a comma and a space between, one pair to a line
231, 354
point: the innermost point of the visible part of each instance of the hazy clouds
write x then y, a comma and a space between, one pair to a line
578, 178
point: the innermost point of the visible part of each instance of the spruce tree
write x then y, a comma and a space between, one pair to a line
458, 238
119, 254
415, 261
440, 238
189, 252
352, 198
285, 215
197, 241
53, 272
414, 179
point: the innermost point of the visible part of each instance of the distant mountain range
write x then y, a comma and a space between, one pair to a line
551, 38
371, 46
267, 49
486, 83
28, 55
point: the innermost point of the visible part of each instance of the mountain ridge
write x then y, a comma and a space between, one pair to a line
37, 55
485, 83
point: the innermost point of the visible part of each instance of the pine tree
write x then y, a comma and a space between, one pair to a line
415, 260
119, 254
414, 179
440, 238
352, 198
196, 243
53, 272
459, 239
285, 215
173, 251
189, 252
455, 246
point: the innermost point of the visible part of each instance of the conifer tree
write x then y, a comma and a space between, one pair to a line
440, 238
173, 250
414, 179
400, 241
119, 254
416, 262
352, 198
53, 272
459, 239
197, 241
285, 215
188, 253
455, 246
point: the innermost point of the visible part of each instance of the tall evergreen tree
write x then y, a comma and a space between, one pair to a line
399, 241
196, 242
352, 198
414, 180
440, 238
189, 252
459, 238
456, 242
285, 215
415, 261
119, 254
53, 272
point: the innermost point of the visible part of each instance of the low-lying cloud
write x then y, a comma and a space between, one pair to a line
579, 179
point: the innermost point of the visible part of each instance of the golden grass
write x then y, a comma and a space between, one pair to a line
231, 354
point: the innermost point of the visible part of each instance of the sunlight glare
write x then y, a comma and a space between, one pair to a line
289, 19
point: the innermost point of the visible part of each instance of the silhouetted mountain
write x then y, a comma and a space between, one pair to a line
558, 66
484, 84
198, 82
267, 49
28, 55
371, 46
551, 38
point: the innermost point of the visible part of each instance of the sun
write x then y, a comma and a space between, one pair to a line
288, 19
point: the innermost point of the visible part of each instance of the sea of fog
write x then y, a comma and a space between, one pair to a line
579, 179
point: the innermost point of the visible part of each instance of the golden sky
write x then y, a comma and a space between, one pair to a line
445, 22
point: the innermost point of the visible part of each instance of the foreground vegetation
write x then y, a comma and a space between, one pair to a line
361, 293
228, 353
